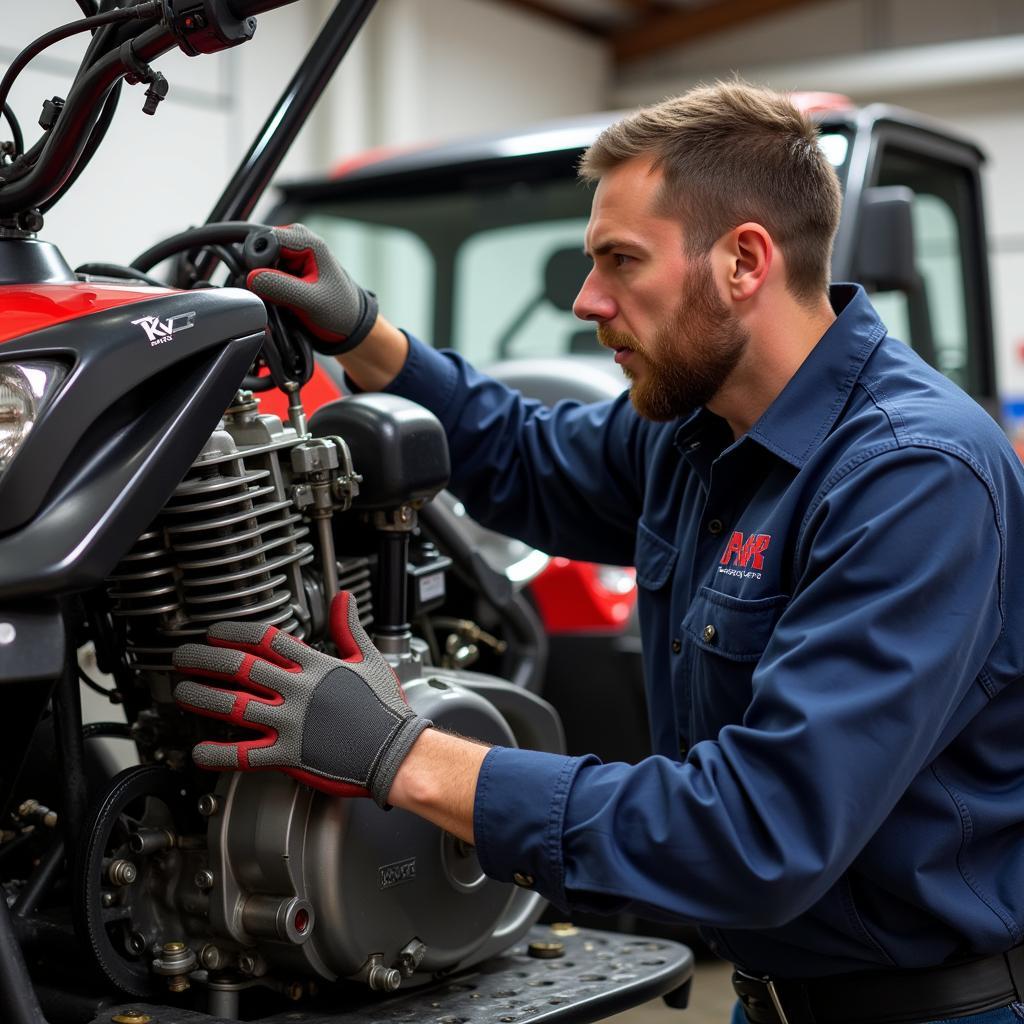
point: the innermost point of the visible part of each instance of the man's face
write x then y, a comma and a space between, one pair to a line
657, 309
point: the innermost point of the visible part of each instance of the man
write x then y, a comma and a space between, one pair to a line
826, 553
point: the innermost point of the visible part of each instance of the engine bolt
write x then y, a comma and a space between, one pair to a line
383, 979
177, 983
122, 872
204, 880
247, 963
209, 805
137, 943
131, 1017
546, 950
107, 899
295, 991
210, 957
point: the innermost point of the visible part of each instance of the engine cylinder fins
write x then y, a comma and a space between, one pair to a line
229, 545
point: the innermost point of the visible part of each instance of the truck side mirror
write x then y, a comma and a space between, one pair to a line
885, 247
566, 270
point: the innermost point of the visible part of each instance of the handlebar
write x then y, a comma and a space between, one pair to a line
220, 23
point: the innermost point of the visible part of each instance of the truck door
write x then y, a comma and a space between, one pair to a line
934, 294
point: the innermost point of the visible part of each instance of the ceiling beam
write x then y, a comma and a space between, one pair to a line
562, 17
662, 31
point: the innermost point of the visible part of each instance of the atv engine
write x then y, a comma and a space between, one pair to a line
230, 880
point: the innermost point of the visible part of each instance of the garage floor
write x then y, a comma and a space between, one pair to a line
711, 1001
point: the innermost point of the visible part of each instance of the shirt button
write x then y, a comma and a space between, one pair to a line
709, 633
677, 645
715, 526
522, 880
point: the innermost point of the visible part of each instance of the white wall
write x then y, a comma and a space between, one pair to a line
419, 71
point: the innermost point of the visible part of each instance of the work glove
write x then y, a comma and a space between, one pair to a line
341, 725
310, 282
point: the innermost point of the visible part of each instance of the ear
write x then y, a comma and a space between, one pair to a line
747, 253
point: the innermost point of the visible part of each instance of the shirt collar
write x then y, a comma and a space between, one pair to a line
803, 413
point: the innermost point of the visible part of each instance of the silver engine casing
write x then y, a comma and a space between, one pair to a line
292, 882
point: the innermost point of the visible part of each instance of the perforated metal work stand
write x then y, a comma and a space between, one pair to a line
555, 976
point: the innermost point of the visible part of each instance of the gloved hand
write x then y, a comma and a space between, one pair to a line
341, 726
315, 287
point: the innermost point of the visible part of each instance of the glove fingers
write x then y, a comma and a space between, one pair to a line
216, 756
227, 756
267, 642
346, 630
228, 665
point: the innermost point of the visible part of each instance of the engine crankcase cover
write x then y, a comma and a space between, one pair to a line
372, 881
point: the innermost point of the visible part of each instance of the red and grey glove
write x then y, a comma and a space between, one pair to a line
341, 726
311, 283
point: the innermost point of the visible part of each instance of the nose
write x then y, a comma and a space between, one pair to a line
593, 302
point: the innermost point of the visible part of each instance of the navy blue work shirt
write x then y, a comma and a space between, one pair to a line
833, 632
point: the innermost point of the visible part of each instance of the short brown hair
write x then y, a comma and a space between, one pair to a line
733, 152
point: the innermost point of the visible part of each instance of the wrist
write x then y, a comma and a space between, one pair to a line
379, 358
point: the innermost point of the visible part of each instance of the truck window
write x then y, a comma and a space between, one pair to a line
941, 208
501, 309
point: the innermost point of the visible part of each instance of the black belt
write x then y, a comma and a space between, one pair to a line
885, 997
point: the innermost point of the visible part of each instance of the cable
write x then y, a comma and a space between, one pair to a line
96, 137
16, 136
119, 270
147, 11
112, 695
87, 7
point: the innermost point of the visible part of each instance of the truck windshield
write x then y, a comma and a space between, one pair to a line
487, 268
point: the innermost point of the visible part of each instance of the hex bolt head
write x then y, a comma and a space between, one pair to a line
137, 943
107, 899
247, 963
204, 880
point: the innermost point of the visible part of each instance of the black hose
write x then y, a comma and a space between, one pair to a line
16, 137
41, 880
112, 730
147, 11
119, 270
67, 707
218, 233
96, 137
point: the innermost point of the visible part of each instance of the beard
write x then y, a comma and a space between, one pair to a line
689, 358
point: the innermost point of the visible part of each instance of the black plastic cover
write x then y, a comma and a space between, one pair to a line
398, 446
147, 384
29, 261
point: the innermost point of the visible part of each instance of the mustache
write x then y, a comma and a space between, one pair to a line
616, 339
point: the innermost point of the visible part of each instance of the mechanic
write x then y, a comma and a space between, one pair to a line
826, 536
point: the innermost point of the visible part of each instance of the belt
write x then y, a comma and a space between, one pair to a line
885, 997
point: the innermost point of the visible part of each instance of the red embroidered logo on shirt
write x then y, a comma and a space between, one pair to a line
747, 551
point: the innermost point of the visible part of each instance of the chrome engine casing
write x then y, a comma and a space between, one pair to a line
287, 882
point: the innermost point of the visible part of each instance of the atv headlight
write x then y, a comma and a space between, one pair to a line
25, 388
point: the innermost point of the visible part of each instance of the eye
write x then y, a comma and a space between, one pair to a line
621, 259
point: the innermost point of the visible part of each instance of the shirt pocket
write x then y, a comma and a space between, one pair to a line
726, 637
655, 559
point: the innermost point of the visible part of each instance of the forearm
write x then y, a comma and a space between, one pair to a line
375, 363
438, 781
